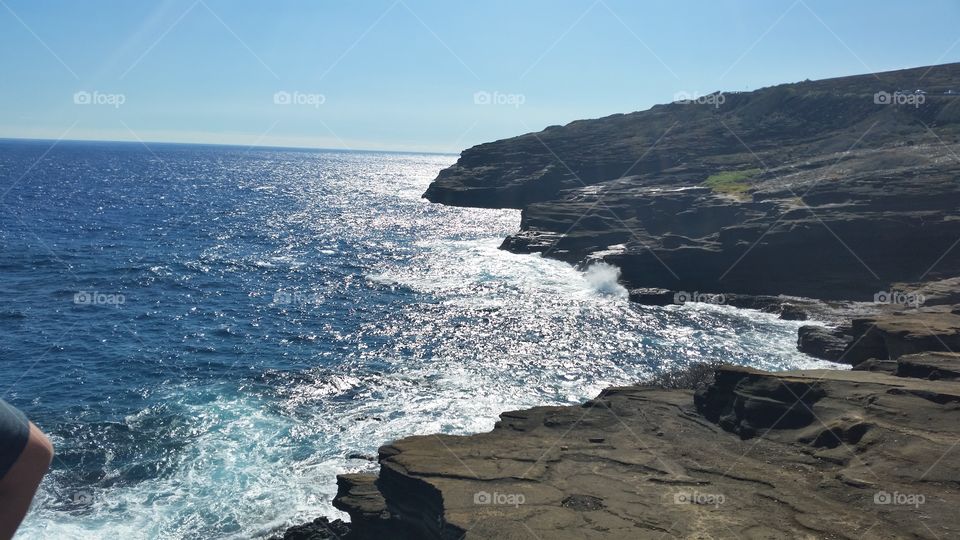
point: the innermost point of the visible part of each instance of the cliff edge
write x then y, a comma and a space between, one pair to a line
830, 189
812, 454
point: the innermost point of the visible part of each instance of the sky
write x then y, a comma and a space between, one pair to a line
420, 75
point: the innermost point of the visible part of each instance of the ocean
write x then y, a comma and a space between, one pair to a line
210, 334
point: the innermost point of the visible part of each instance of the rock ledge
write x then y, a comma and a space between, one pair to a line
806, 454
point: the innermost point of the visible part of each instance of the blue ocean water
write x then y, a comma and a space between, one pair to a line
211, 334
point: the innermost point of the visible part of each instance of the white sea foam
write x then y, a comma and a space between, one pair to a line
476, 331
604, 278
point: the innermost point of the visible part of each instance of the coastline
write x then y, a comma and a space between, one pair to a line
764, 219
795, 453
742, 455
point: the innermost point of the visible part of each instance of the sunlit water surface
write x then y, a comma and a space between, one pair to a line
281, 312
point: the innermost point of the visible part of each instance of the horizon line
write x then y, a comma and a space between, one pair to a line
228, 145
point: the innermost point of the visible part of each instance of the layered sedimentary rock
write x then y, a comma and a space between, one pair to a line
840, 190
814, 454
924, 317
822, 189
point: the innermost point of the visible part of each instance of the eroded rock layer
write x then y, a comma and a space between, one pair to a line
819, 189
814, 454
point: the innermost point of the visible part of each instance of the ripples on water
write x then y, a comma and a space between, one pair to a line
282, 311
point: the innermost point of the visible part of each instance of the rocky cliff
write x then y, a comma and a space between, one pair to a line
815, 454
825, 189
804, 199
925, 317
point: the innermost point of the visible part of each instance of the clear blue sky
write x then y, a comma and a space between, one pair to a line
402, 75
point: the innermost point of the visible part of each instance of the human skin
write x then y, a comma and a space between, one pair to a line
19, 485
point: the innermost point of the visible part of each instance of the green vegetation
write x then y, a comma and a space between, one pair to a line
731, 182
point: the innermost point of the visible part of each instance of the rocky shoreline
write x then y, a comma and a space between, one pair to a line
813, 454
864, 453
810, 189
815, 201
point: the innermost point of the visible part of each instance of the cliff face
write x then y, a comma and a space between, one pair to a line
817, 189
817, 454
812, 189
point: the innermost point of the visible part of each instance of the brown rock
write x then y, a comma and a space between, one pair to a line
825, 454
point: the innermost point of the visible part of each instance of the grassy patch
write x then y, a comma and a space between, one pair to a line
731, 182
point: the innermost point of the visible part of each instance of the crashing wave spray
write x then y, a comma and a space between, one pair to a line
604, 278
